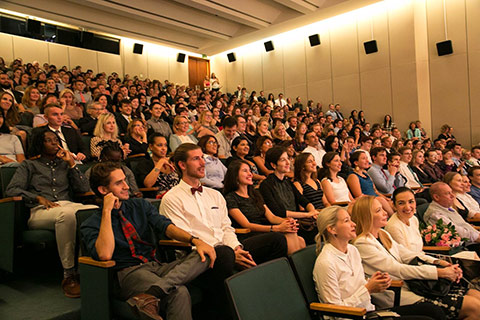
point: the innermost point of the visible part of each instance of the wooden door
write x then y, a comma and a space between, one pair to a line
197, 70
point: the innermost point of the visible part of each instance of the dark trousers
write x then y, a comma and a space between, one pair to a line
422, 310
265, 247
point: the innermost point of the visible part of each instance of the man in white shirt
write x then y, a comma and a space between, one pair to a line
280, 101
202, 212
475, 159
441, 208
313, 147
331, 112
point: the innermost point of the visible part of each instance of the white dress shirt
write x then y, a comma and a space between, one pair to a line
203, 215
316, 153
408, 236
339, 278
470, 203
375, 257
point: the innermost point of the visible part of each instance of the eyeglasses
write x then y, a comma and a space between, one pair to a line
212, 142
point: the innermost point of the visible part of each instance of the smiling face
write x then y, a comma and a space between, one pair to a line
283, 164
242, 148
159, 147
6, 102
211, 147
457, 183
194, 167
362, 161
310, 166
109, 125
117, 186
335, 165
405, 205
379, 216
245, 176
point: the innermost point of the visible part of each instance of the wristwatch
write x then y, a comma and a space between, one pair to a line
191, 239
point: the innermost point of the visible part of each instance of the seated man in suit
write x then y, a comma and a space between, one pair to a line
87, 124
70, 139
125, 231
123, 117
45, 184
6, 85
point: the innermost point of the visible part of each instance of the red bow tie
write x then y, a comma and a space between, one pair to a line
199, 189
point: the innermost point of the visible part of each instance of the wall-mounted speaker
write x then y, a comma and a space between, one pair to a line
34, 26
181, 57
231, 57
138, 48
86, 37
444, 47
314, 40
370, 46
269, 46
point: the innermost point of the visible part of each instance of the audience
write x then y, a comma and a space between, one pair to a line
214, 169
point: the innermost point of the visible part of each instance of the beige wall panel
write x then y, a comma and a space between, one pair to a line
344, 50
252, 72
58, 55
178, 71
235, 74
378, 59
157, 64
404, 95
294, 62
449, 87
474, 67
346, 91
402, 35
273, 72
30, 50
217, 66
320, 91
318, 59
134, 64
376, 94
109, 63
455, 25
473, 25
6, 49
83, 57
295, 91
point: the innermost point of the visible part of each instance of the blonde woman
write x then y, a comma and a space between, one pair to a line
380, 252
180, 129
30, 101
338, 273
106, 130
70, 109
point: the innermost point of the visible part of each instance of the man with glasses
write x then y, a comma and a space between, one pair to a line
87, 124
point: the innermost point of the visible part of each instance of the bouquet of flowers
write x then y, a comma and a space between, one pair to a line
441, 234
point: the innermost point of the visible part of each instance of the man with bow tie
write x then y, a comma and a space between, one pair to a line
202, 212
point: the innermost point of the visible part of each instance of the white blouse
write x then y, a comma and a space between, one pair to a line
408, 236
339, 278
340, 190
470, 203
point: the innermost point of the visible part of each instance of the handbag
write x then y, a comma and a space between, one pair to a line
428, 288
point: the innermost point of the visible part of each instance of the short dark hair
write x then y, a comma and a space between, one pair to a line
181, 154
272, 156
100, 175
151, 138
202, 143
391, 155
472, 170
229, 122
123, 102
403, 149
377, 150
400, 190
364, 139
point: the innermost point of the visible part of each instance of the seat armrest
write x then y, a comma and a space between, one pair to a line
396, 283
436, 248
341, 203
84, 194
10, 199
174, 243
242, 230
96, 263
476, 228
145, 189
332, 308
473, 220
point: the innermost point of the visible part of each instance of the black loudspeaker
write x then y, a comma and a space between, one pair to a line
181, 57
314, 40
138, 48
86, 37
444, 47
269, 46
34, 26
231, 57
370, 46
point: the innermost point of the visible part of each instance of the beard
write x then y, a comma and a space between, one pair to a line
5, 86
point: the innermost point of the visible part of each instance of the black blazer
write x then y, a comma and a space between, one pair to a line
122, 124
87, 124
16, 94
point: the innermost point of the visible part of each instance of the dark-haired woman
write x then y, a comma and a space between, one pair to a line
263, 144
246, 207
334, 186
240, 151
306, 180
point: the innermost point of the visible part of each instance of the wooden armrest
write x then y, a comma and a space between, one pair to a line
10, 199
325, 307
416, 188
174, 243
341, 203
242, 230
473, 220
428, 184
138, 155
145, 189
84, 133
85, 194
396, 283
436, 248
96, 263
477, 227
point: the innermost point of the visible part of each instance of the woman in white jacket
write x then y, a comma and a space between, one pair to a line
380, 252
338, 273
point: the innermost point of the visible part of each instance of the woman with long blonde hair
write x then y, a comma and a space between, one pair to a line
106, 129
380, 252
